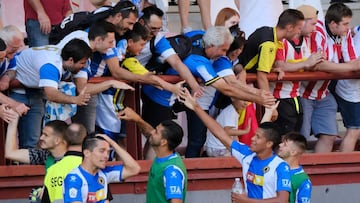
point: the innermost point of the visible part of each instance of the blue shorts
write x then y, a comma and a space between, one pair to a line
350, 112
319, 116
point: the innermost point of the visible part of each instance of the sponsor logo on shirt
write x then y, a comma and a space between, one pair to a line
255, 179
91, 197
286, 182
173, 175
175, 190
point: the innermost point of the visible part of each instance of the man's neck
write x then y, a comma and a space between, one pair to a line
89, 168
264, 154
293, 162
162, 152
58, 152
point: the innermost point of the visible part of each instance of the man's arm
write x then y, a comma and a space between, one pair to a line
130, 115
20, 108
6, 78
332, 67
12, 150
54, 95
214, 127
92, 88
184, 72
131, 167
307, 64
261, 97
43, 18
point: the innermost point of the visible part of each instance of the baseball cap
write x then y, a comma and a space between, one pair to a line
308, 11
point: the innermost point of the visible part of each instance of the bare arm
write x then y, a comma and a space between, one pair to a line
20, 108
263, 97
92, 88
54, 95
176, 201
12, 150
184, 72
313, 59
235, 132
204, 6
332, 67
131, 167
43, 18
130, 115
214, 127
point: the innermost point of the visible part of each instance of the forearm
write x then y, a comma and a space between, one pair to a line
234, 132
54, 95
262, 81
37, 6
291, 67
331, 67
185, 74
131, 167
145, 128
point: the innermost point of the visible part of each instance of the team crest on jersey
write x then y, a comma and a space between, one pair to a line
101, 180
73, 192
271, 50
266, 169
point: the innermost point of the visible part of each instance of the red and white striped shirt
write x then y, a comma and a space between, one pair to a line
294, 52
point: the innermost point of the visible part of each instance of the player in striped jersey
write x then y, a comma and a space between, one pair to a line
294, 56
267, 175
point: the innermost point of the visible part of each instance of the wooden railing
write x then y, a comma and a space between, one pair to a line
134, 143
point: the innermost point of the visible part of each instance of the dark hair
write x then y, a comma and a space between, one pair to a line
149, 11
58, 126
2, 45
172, 132
125, 8
100, 29
75, 134
271, 131
336, 12
77, 49
137, 33
239, 38
290, 17
90, 142
298, 139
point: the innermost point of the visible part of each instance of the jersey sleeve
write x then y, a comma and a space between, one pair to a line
303, 195
134, 66
49, 76
174, 180
72, 188
110, 53
114, 173
266, 56
239, 151
283, 177
223, 66
163, 48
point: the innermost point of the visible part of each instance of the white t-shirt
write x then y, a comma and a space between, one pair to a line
257, 13
227, 117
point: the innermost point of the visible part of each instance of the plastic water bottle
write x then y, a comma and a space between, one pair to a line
237, 186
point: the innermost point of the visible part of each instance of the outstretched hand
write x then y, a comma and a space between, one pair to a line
121, 85
128, 114
7, 114
187, 99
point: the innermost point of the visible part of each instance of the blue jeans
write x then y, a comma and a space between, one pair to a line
196, 134
30, 124
86, 115
35, 37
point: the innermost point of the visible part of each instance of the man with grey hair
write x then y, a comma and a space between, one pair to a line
13, 39
215, 43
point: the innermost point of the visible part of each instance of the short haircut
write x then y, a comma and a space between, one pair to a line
149, 11
224, 15
271, 131
9, 32
125, 8
59, 127
290, 17
217, 36
77, 49
336, 12
2, 45
138, 32
101, 29
91, 141
75, 134
173, 133
297, 138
